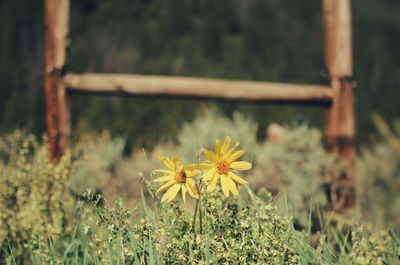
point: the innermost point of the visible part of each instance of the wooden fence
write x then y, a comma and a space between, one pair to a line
336, 98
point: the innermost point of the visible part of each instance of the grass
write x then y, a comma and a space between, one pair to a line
120, 246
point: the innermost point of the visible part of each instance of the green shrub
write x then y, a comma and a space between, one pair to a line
378, 178
128, 175
34, 198
99, 156
104, 168
233, 234
210, 125
373, 247
295, 168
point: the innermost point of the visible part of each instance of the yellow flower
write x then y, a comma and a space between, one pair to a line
177, 177
221, 164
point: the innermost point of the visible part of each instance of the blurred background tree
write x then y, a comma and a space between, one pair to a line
272, 40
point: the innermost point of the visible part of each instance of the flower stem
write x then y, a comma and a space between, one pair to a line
195, 215
198, 208
200, 216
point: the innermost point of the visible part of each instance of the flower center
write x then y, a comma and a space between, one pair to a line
181, 177
223, 167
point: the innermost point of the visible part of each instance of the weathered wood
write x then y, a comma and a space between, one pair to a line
56, 15
344, 57
147, 85
332, 119
338, 40
340, 128
347, 116
329, 17
337, 19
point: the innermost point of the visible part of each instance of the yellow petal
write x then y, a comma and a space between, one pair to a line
235, 156
226, 145
237, 143
184, 190
177, 163
193, 173
168, 163
166, 185
164, 178
171, 193
241, 165
213, 183
210, 155
225, 185
191, 187
236, 178
232, 149
231, 185
206, 165
165, 171
192, 167
217, 146
209, 174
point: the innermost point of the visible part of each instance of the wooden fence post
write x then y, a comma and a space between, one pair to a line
340, 128
56, 17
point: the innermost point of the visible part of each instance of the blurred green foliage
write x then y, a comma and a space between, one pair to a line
34, 196
209, 125
274, 40
100, 157
378, 177
372, 247
296, 169
103, 167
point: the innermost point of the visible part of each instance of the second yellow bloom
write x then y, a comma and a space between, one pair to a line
221, 164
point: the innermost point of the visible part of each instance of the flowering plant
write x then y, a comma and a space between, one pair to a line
220, 166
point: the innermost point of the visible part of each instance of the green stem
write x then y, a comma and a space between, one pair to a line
199, 190
198, 207
200, 216
195, 215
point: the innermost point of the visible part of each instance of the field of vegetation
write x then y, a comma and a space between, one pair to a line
205, 202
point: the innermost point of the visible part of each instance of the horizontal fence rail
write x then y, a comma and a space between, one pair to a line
149, 85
